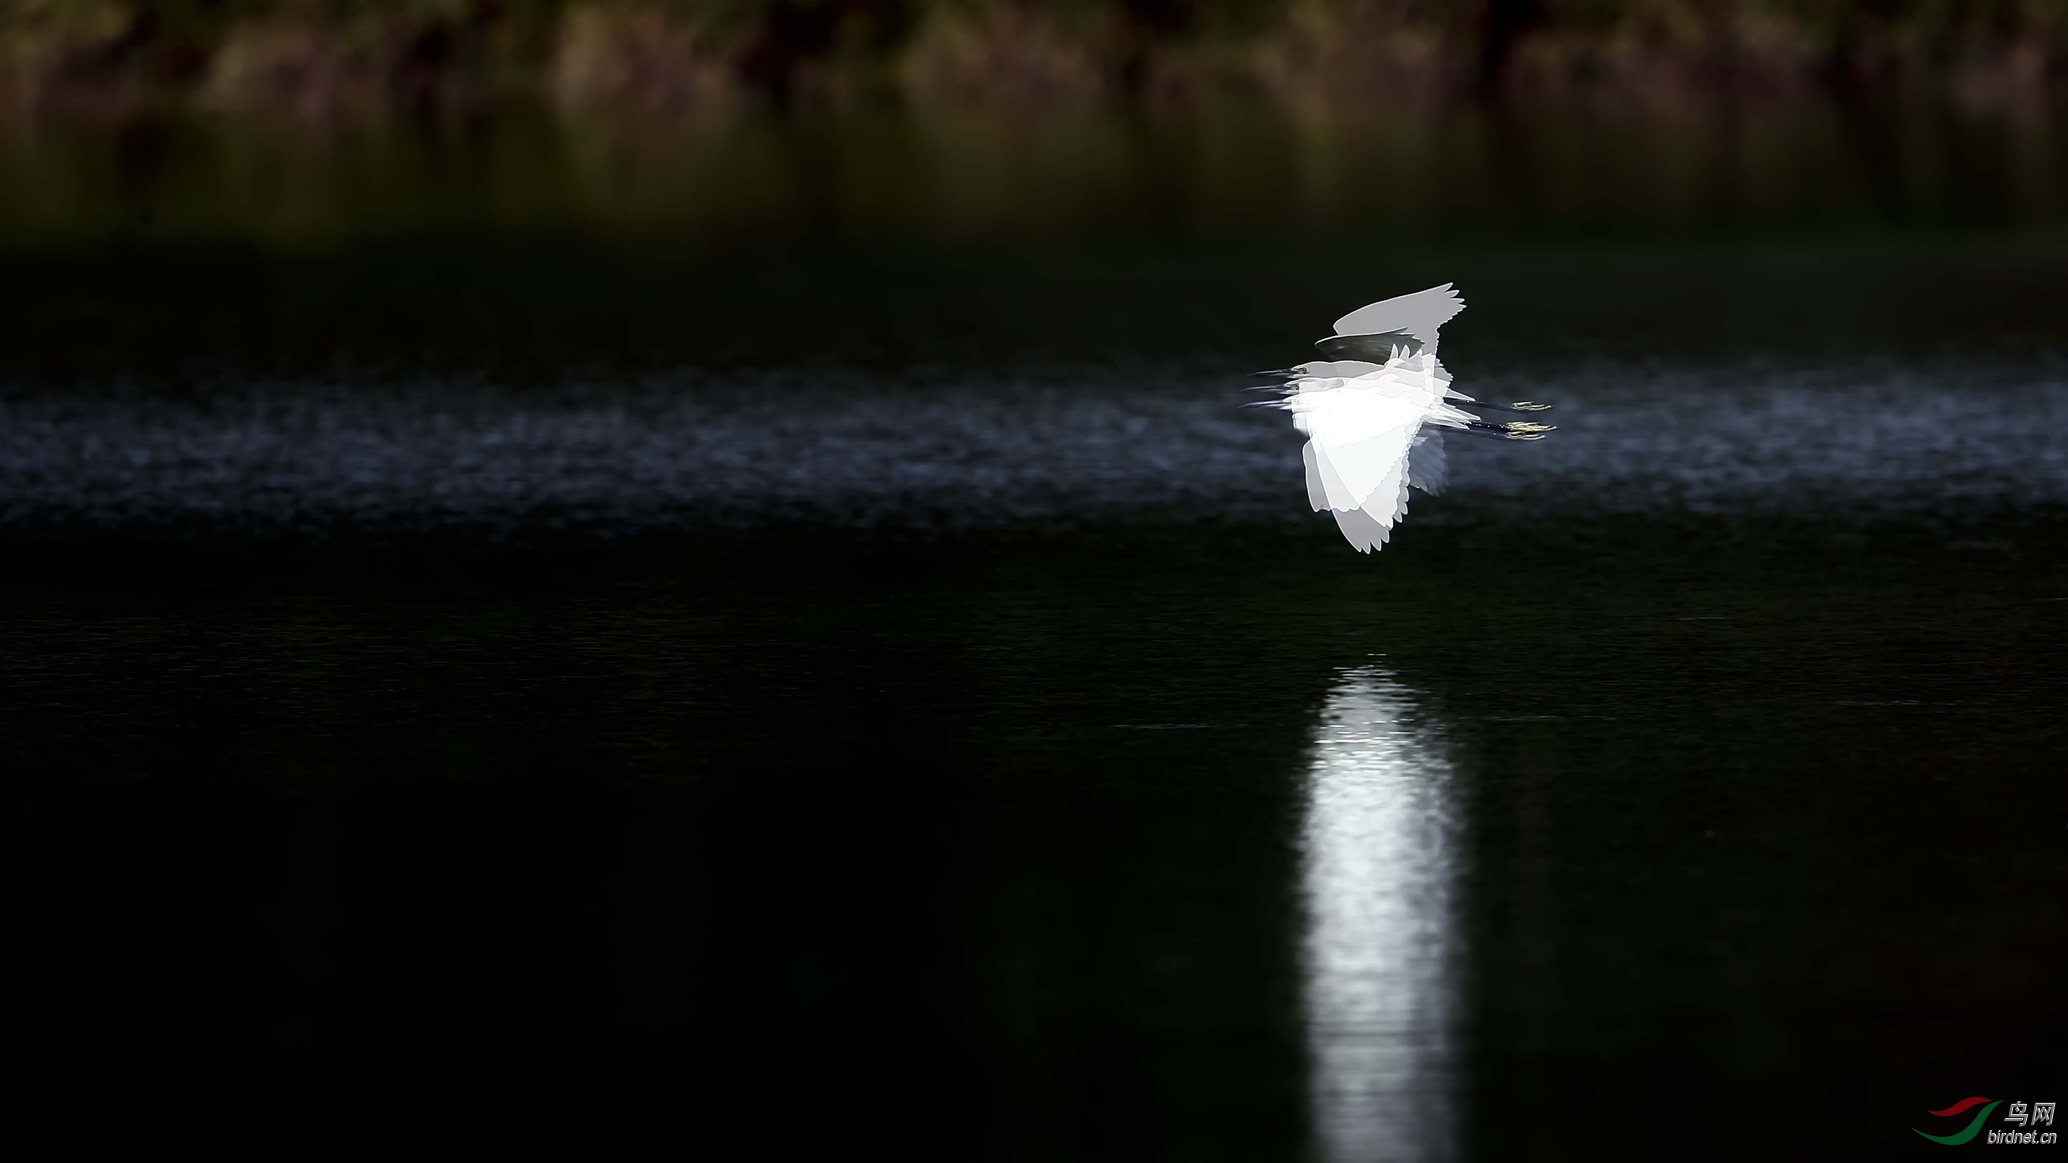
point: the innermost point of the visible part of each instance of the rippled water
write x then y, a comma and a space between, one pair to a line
1088, 445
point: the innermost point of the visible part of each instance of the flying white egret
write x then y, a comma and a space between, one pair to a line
1367, 412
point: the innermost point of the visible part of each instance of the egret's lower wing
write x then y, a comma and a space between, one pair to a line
1428, 468
1363, 533
1358, 441
1365, 512
1335, 491
1387, 504
1376, 463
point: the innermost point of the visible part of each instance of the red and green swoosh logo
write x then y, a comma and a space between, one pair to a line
1958, 1137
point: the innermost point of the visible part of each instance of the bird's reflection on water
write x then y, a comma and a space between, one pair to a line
1380, 951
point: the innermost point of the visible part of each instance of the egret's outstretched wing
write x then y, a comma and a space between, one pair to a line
1357, 459
1418, 315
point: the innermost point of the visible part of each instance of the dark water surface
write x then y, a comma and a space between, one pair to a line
843, 690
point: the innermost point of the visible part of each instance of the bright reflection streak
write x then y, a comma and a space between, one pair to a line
1378, 873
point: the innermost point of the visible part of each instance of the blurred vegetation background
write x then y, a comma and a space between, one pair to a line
331, 60
602, 133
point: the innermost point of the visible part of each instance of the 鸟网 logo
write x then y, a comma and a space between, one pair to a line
2037, 1115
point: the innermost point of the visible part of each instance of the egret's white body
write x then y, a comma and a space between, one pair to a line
1373, 426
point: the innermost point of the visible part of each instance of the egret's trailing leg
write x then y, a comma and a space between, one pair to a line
1516, 430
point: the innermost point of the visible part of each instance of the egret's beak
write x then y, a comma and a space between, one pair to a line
1284, 373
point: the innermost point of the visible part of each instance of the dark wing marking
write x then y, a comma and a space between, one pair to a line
1378, 348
